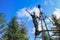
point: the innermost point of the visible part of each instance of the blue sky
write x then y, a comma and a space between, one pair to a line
10, 8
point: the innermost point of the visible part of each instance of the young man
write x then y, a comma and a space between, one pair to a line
35, 22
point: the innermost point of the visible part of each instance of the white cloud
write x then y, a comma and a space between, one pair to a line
32, 31
46, 2
47, 20
57, 37
39, 26
19, 21
36, 10
57, 9
53, 26
57, 13
21, 13
51, 33
51, 1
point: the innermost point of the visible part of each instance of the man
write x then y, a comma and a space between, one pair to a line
34, 17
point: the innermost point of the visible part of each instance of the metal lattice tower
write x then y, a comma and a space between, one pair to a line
41, 18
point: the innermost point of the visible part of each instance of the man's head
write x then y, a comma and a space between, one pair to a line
38, 6
34, 13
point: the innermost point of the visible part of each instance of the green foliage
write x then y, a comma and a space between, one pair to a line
45, 36
2, 16
14, 32
23, 31
2, 22
56, 23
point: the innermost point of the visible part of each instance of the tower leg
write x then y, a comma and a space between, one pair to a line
35, 38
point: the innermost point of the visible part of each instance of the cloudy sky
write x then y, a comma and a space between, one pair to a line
17, 8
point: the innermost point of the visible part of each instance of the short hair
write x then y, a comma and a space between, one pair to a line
38, 6
34, 12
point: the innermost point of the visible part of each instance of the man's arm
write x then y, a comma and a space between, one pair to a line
28, 12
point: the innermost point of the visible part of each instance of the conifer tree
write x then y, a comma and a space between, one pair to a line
14, 32
57, 24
